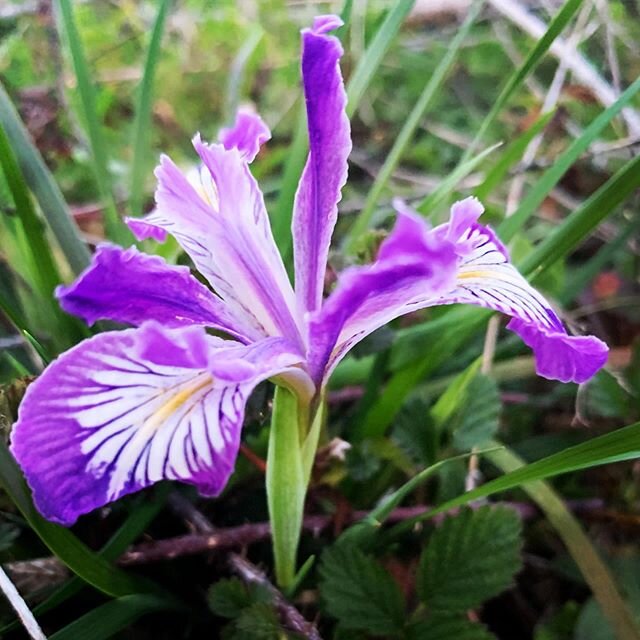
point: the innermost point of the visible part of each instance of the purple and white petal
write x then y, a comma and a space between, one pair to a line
413, 269
132, 287
221, 222
316, 202
487, 278
247, 135
126, 409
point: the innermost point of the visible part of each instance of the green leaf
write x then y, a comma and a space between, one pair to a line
442, 627
286, 486
228, 598
65, 545
516, 79
373, 56
470, 558
449, 402
359, 592
142, 122
622, 444
43, 186
99, 155
258, 622
534, 198
110, 618
405, 135
478, 414
511, 154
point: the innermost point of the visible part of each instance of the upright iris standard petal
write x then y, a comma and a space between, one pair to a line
487, 278
247, 135
126, 409
222, 224
316, 203
412, 269
131, 287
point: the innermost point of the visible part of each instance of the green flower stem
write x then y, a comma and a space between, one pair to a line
287, 479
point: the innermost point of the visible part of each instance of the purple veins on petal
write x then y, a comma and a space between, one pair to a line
127, 286
319, 191
486, 278
125, 409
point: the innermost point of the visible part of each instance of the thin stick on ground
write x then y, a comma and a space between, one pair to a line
23, 611
290, 617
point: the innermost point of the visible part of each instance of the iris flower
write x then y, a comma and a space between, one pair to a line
165, 399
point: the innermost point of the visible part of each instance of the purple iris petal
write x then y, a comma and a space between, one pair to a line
126, 409
221, 222
248, 134
412, 270
316, 203
132, 287
560, 356
486, 278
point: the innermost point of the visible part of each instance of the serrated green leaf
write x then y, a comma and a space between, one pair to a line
258, 622
359, 592
229, 598
470, 558
479, 414
448, 628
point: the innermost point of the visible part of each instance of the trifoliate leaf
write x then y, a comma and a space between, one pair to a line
229, 598
478, 418
448, 628
470, 558
359, 592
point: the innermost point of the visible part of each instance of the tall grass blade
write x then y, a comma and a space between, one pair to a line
43, 186
86, 90
370, 61
65, 545
109, 619
510, 226
536, 54
595, 571
142, 122
407, 132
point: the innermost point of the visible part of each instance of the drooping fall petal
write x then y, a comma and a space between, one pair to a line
125, 409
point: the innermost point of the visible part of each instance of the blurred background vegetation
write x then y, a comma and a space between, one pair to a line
104, 86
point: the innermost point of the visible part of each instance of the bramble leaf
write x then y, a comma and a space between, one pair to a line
359, 592
470, 558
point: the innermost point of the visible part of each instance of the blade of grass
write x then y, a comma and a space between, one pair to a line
370, 61
617, 446
40, 263
583, 220
448, 184
595, 571
536, 54
510, 226
116, 230
112, 617
65, 545
236, 73
407, 132
511, 155
141, 515
142, 122
43, 186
